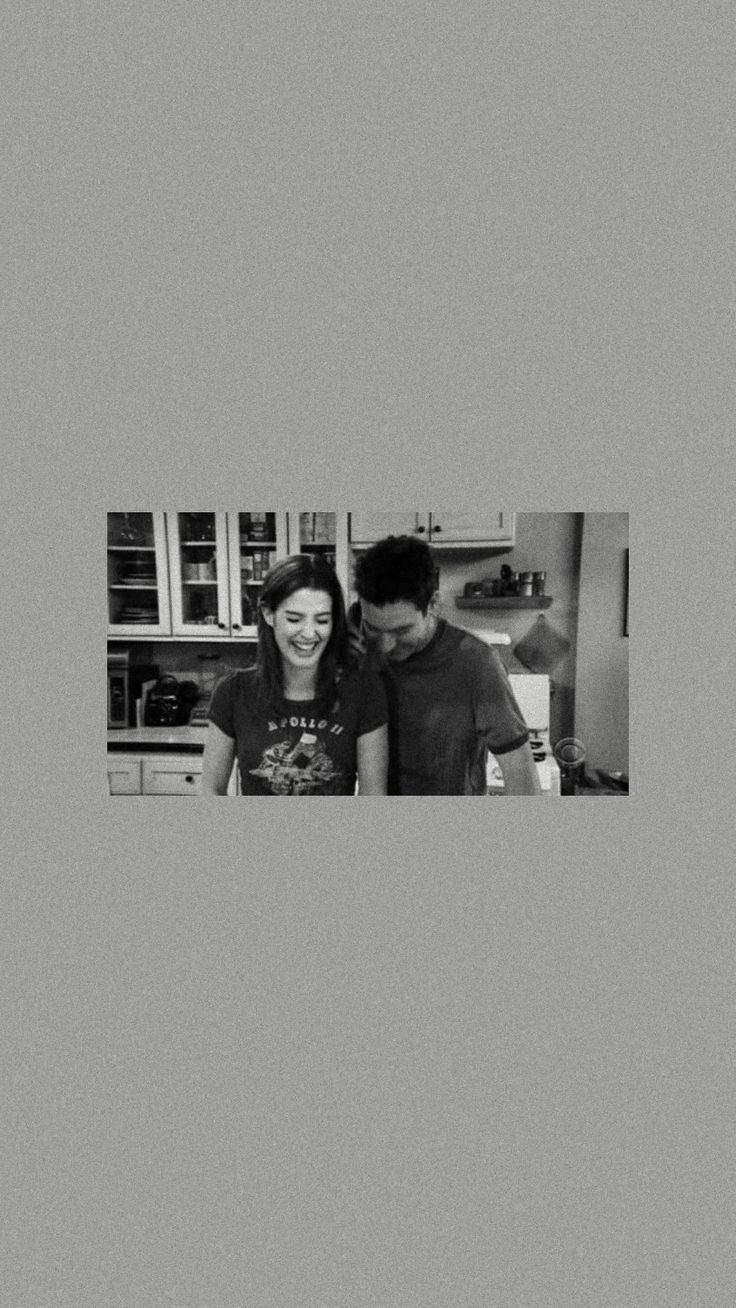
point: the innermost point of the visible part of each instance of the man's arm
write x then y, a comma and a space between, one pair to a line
519, 771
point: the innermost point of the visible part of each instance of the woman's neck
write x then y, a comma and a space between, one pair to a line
300, 687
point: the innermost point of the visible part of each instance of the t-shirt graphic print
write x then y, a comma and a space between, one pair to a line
304, 768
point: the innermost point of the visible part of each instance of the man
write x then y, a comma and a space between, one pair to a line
450, 700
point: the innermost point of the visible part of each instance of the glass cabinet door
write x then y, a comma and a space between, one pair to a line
256, 541
137, 575
324, 533
199, 574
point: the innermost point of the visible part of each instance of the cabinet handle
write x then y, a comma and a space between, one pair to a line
437, 528
500, 521
421, 529
236, 626
221, 625
190, 780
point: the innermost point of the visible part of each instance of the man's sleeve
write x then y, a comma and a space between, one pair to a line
498, 716
373, 705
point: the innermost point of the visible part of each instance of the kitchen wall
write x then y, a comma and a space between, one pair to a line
186, 659
545, 542
602, 691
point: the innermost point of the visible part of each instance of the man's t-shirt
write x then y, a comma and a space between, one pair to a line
449, 704
298, 747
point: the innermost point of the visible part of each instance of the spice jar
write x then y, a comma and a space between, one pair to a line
538, 583
525, 584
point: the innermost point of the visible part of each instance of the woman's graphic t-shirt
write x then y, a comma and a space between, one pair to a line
300, 748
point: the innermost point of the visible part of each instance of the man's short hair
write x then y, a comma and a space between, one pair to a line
399, 568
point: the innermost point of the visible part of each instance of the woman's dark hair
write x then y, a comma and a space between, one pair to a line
301, 572
395, 569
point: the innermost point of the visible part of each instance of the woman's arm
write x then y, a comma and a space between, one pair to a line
219, 754
373, 762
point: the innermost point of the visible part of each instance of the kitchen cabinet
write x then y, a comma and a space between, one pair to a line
189, 575
175, 575
171, 774
199, 573
160, 774
218, 562
255, 542
496, 529
366, 528
324, 533
123, 774
138, 600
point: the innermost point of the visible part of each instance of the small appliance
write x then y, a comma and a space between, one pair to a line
169, 702
118, 689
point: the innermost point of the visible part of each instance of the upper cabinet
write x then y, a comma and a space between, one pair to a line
324, 533
366, 528
200, 582
189, 575
255, 542
180, 575
218, 562
495, 530
138, 602
496, 527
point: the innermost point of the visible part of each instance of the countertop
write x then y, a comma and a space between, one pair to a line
167, 740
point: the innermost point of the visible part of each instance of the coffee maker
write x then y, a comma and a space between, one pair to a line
118, 689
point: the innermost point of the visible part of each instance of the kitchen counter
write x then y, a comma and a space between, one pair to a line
165, 740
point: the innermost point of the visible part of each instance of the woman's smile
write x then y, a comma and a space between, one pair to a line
302, 626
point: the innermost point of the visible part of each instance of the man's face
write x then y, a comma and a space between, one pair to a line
397, 630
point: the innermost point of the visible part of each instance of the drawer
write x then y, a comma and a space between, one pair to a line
123, 774
171, 774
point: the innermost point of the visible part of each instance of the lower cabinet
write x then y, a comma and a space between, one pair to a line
159, 774
171, 774
123, 774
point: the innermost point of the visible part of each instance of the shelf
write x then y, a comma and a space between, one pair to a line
247, 634
136, 548
506, 602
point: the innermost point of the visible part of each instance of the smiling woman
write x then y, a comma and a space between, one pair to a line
301, 627
305, 720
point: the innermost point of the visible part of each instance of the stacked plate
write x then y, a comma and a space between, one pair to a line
138, 613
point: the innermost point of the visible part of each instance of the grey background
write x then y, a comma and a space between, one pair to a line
385, 256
